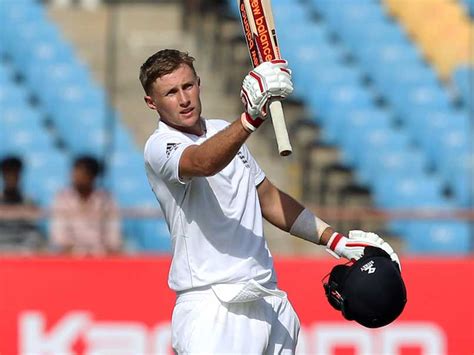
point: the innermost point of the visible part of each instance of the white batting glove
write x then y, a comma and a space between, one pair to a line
352, 248
269, 80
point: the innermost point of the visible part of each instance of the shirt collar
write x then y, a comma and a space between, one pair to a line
163, 126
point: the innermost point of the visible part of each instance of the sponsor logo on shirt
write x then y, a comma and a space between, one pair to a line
170, 147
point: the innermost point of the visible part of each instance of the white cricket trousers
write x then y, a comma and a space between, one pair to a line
202, 324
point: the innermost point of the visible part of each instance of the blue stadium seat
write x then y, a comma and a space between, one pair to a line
356, 146
433, 122
317, 84
50, 47
287, 12
25, 140
75, 95
44, 54
283, 10
59, 75
402, 76
319, 79
15, 117
374, 32
452, 142
457, 171
5, 75
310, 59
58, 71
123, 140
11, 95
408, 192
392, 191
442, 238
375, 57
24, 44
345, 96
19, 12
46, 172
21, 130
74, 127
341, 125
154, 236
130, 187
443, 132
94, 141
463, 79
387, 161
419, 98
341, 14
126, 160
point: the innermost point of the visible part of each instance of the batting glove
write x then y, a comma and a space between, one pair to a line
352, 248
269, 80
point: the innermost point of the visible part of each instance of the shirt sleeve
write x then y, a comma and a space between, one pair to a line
255, 169
163, 153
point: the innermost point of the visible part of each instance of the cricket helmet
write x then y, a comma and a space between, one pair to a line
371, 291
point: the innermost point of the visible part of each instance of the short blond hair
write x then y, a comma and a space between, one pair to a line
161, 63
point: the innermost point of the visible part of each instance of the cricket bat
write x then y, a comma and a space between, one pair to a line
260, 35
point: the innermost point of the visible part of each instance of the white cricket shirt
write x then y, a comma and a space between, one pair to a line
215, 222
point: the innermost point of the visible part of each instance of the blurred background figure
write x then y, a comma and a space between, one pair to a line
85, 219
19, 232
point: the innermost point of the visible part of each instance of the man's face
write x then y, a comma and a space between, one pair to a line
11, 178
176, 98
82, 179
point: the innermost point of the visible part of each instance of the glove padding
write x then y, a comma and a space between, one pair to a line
352, 248
269, 80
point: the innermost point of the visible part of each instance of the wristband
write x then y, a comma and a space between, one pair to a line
308, 227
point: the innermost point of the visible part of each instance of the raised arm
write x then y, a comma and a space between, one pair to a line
268, 80
214, 154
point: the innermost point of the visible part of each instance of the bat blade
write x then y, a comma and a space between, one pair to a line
260, 35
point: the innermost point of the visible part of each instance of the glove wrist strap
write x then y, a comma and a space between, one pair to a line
333, 243
334, 240
250, 123
245, 119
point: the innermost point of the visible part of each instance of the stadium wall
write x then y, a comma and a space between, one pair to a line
123, 306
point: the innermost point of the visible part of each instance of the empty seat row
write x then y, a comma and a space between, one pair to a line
373, 100
80, 117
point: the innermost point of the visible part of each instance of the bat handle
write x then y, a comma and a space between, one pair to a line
281, 134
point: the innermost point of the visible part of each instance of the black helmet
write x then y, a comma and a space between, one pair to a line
371, 291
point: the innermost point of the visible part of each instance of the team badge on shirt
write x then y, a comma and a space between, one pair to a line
170, 147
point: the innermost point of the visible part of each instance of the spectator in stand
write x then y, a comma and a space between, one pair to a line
18, 230
85, 219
